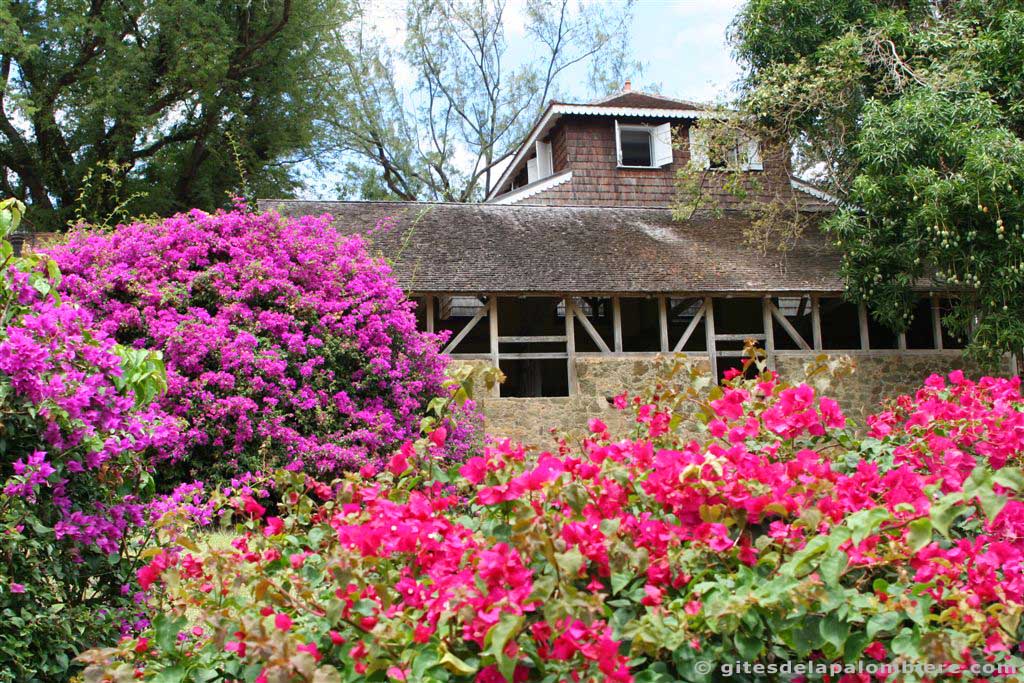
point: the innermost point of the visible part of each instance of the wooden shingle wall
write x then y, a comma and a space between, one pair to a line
586, 145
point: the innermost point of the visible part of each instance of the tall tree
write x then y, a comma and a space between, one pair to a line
911, 111
176, 102
470, 94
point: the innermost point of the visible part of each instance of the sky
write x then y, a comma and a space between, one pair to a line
682, 43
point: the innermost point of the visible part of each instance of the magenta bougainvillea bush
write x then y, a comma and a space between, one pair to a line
745, 527
78, 437
285, 342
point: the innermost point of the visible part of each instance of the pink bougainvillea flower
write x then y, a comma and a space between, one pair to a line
282, 621
398, 463
275, 525
439, 436
252, 508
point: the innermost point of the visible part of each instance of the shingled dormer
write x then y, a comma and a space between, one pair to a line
624, 150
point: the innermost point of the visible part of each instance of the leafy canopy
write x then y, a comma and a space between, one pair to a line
168, 103
912, 113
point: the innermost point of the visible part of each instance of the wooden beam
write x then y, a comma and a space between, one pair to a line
709, 336
732, 354
769, 332
570, 345
480, 313
937, 323
540, 339
430, 313
740, 337
663, 324
582, 317
688, 332
787, 326
617, 323
865, 338
816, 322
543, 355
493, 320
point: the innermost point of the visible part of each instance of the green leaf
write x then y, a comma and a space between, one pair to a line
498, 637
174, 674
864, 523
905, 644
920, 533
834, 630
619, 581
884, 622
167, 631
456, 665
748, 646
800, 563
945, 512
570, 562
832, 567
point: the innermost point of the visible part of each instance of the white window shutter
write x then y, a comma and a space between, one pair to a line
618, 144
752, 156
545, 163
699, 148
531, 171
661, 139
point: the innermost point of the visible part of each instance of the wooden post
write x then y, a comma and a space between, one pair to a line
937, 323
862, 315
617, 323
663, 324
816, 322
769, 331
570, 344
492, 316
709, 335
430, 313
901, 341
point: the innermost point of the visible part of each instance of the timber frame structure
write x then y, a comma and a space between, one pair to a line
765, 337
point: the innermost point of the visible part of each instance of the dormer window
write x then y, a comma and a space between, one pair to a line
643, 146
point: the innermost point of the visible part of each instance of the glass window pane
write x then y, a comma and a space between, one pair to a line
636, 147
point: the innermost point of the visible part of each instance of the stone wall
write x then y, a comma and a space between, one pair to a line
879, 374
537, 420
876, 375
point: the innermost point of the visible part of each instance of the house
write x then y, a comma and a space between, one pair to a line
573, 275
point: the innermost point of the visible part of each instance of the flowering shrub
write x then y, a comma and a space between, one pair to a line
76, 434
285, 342
772, 535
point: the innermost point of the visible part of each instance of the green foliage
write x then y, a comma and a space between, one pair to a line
73, 435
911, 112
150, 107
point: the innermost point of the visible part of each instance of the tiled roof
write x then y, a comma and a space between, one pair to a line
642, 100
475, 248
